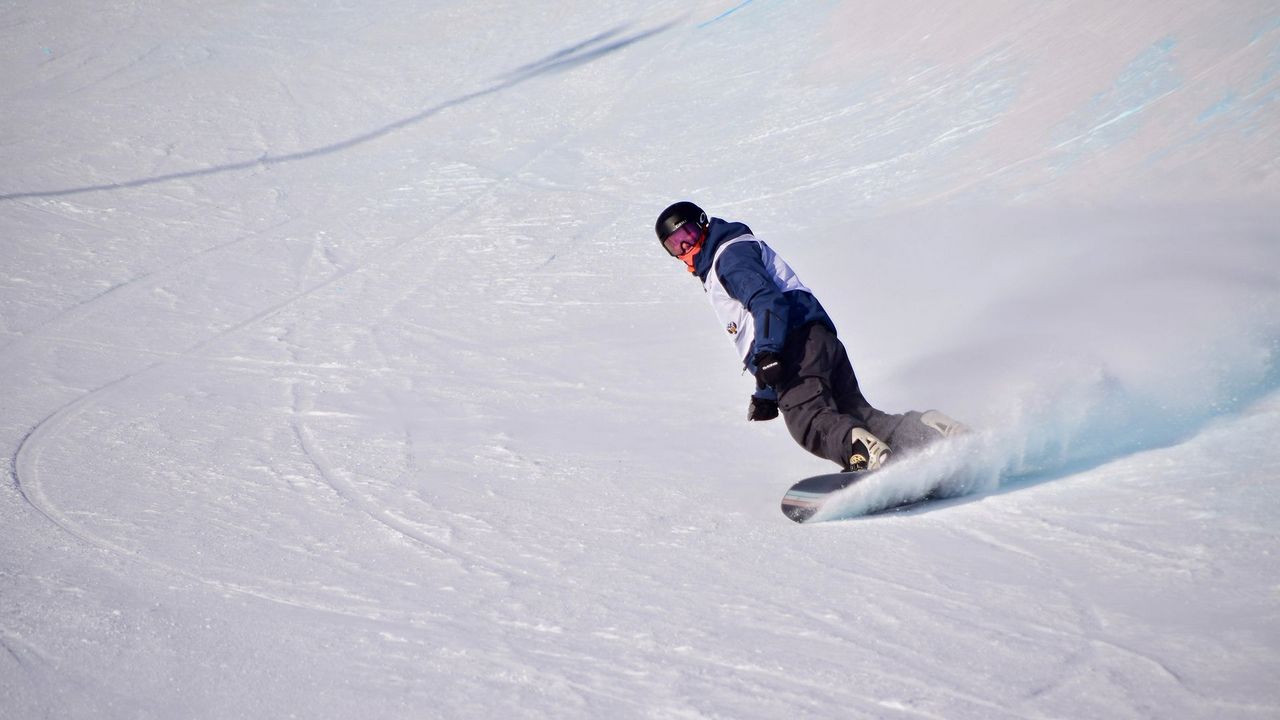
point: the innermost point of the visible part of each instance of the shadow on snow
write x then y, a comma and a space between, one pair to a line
561, 61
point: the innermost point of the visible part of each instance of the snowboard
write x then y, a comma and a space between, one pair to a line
806, 497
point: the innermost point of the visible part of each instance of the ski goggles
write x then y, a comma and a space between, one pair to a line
683, 239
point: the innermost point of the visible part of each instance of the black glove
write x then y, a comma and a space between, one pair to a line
762, 409
769, 368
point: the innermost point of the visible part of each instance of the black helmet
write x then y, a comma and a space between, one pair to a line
677, 215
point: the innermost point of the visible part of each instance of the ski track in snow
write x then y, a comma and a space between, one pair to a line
366, 390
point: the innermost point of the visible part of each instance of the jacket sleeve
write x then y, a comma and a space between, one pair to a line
742, 272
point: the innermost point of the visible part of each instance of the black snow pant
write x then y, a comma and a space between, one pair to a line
821, 403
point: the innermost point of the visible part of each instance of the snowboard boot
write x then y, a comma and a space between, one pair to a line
945, 426
867, 452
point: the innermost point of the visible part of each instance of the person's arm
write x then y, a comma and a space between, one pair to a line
742, 272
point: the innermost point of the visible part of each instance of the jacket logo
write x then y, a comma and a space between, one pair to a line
732, 328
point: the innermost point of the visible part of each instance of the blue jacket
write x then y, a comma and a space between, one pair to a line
742, 272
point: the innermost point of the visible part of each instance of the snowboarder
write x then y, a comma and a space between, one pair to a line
788, 342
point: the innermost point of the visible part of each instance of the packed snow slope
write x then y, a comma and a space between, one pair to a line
341, 374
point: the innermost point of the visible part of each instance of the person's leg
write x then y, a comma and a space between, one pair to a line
902, 432
905, 432
849, 397
821, 402
807, 400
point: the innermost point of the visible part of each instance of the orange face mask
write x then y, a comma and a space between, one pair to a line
689, 256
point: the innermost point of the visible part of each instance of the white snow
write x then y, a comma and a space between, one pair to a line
341, 374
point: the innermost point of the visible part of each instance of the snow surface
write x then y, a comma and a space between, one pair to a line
341, 375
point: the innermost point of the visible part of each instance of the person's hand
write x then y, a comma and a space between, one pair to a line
762, 409
769, 368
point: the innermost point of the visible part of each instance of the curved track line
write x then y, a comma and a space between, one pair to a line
25, 470
345, 490
25, 461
